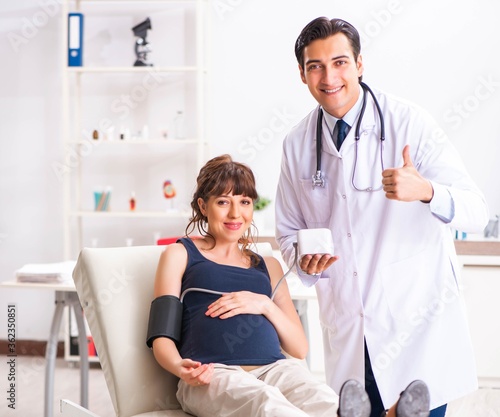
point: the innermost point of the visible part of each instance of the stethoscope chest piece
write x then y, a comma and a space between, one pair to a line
318, 180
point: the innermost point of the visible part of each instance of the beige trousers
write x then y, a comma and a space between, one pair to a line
284, 388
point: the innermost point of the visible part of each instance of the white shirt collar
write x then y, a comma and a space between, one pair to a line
350, 117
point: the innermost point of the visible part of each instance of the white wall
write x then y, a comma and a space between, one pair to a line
30, 139
442, 55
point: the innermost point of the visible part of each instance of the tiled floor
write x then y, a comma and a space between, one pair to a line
30, 377
482, 403
30, 383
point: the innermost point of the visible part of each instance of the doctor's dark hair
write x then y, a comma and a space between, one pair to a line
221, 175
322, 28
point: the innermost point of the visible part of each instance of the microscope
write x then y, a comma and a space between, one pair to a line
142, 47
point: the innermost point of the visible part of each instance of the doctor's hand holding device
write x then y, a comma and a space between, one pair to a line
315, 250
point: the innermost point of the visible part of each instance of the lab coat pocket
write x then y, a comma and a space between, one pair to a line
314, 203
413, 286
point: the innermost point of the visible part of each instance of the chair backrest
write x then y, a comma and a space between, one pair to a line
115, 287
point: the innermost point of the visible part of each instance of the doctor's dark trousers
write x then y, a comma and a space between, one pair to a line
374, 395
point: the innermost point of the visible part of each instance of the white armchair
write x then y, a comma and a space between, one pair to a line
115, 287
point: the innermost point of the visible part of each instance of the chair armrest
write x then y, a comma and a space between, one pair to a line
71, 409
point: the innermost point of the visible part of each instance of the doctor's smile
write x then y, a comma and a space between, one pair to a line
336, 90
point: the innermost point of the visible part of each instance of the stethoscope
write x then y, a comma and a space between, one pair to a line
318, 180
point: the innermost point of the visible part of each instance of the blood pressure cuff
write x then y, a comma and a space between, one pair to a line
165, 319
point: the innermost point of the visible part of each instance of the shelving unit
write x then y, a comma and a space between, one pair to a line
109, 95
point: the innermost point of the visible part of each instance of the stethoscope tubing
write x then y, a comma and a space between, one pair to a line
318, 180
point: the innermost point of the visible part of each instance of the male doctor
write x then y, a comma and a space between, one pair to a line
390, 307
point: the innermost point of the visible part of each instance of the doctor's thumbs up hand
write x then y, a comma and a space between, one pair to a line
406, 183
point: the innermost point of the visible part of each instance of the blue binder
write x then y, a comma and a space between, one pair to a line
75, 39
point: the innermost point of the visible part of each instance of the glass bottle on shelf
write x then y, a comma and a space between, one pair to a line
179, 125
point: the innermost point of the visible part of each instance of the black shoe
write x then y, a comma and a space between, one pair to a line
353, 400
414, 401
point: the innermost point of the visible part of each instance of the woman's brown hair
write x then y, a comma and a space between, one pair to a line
221, 175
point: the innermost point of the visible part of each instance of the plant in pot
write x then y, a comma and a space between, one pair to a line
259, 214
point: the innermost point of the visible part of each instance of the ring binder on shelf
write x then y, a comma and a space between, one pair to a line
75, 39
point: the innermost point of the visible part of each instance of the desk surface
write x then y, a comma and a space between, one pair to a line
63, 286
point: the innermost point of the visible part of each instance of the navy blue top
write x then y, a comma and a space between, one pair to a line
246, 339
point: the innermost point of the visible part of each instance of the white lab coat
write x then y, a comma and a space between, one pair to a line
397, 280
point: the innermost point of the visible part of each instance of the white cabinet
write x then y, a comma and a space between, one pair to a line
132, 109
481, 291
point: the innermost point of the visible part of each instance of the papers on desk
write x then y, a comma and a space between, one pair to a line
46, 273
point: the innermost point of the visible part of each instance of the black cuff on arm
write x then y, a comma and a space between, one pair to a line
165, 319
